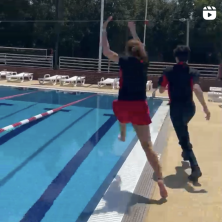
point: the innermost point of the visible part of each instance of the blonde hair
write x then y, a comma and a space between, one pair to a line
135, 48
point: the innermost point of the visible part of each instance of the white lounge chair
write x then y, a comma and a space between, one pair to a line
51, 79
149, 85
214, 96
113, 82
216, 89
6, 73
20, 76
73, 80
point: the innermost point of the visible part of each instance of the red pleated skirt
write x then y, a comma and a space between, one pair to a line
135, 112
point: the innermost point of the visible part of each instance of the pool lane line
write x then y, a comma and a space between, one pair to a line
17, 95
18, 111
39, 209
39, 116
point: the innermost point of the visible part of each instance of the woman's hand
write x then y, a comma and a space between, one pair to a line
107, 22
132, 28
105, 43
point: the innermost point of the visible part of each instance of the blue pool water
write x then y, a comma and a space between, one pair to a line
55, 168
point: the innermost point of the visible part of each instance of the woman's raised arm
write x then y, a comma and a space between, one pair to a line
113, 56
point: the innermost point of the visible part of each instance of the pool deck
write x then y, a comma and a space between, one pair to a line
186, 203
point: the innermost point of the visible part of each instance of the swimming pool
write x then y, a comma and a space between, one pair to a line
57, 168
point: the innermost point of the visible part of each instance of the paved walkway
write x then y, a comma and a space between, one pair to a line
187, 203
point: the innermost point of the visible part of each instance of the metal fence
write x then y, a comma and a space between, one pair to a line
155, 68
87, 64
35, 61
25, 51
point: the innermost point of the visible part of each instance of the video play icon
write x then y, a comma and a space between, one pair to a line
209, 13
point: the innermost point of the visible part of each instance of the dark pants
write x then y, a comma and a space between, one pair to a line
180, 115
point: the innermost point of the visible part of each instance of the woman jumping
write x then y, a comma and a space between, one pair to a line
131, 105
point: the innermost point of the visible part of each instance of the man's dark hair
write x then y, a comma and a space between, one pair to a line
182, 52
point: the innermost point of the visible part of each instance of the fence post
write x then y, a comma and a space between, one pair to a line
219, 75
59, 16
108, 65
100, 35
52, 64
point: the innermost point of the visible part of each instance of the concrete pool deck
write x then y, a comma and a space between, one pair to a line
185, 203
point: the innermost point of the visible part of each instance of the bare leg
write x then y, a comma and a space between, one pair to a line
122, 136
143, 133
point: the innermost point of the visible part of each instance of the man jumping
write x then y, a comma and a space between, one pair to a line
182, 81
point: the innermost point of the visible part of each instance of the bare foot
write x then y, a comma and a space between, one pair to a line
121, 138
163, 191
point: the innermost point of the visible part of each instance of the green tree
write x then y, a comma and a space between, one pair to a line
14, 32
81, 39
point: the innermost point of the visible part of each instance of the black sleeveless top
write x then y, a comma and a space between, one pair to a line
133, 79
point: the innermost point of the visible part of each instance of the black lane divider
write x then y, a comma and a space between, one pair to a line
37, 212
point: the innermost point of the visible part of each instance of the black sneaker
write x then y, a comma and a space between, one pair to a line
195, 175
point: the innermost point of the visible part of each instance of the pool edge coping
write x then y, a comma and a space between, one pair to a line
146, 185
